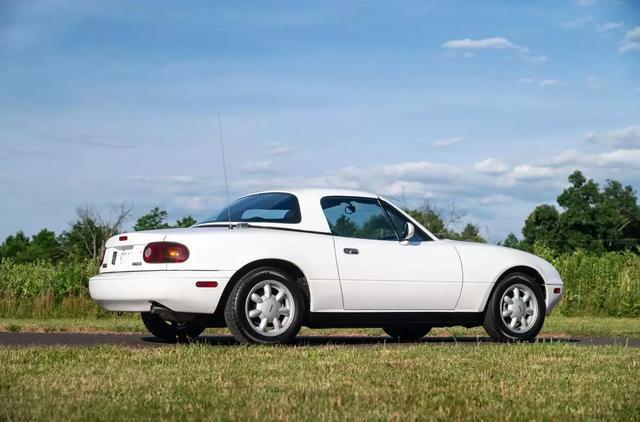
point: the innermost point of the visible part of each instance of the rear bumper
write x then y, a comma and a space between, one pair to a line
177, 290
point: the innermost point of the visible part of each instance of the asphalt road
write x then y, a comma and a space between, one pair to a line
142, 340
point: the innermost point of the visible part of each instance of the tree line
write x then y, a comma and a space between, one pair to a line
85, 237
588, 218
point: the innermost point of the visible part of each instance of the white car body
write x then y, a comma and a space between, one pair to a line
449, 281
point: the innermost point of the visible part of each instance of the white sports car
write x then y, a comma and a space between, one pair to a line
274, 261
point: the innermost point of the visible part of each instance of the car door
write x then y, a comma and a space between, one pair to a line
378, 272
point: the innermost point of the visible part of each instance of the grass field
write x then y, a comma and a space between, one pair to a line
194, 382
131, 323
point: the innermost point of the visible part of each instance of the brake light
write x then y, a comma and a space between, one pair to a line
165, 252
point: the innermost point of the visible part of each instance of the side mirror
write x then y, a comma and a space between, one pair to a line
409, 231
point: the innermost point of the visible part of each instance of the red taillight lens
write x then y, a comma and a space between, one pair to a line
164, 253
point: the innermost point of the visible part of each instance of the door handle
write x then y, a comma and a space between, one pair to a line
351, 251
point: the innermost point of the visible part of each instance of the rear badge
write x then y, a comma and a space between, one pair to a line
136, 264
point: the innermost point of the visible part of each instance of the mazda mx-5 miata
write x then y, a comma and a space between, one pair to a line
272, 262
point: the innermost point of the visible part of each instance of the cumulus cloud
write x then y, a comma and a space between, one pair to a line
490, 166
609, 26
628, 137
447, 142
530, 172
631, 41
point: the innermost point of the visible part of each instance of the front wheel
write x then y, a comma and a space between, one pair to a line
406, 333
516, 309
266, 306
171, 331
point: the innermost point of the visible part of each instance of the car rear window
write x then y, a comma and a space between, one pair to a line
273, 207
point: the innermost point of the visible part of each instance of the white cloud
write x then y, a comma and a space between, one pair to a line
528, 172
548, 83
620, 158
277, 148
625, 137
258, 167
631, 41
447, 142
576, 23
490, 166
483, 44
608, 26
466, 45
595, 82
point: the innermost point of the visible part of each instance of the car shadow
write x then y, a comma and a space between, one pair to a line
361, 341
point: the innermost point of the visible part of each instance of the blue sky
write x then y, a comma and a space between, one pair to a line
485, 105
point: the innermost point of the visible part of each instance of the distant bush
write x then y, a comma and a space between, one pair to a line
598, 285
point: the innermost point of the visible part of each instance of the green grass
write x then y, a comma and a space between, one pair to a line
196, 382
130, 323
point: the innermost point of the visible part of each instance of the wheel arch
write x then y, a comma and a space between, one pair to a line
525, 269
282, 264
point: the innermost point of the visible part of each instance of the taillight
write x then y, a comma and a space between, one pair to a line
165, 252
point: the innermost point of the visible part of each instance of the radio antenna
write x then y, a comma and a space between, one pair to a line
224, 170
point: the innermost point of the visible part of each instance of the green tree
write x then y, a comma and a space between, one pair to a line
512, 241
430, 219
154, 219
470, 233
187, 221
44, 246
541, 226
592, 219
16, 247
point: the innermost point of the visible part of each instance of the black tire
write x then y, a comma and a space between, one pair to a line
171, 331
241, 325
406, 334
494, 324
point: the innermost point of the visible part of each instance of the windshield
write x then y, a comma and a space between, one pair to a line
261, 208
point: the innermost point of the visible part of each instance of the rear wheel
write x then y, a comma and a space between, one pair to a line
516, 309
169, 330
266, 306
407, 333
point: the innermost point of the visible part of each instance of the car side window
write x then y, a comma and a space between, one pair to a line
361, 218
398, 220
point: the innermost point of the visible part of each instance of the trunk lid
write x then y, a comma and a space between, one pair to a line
124, 252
